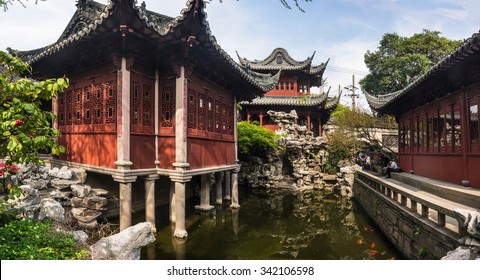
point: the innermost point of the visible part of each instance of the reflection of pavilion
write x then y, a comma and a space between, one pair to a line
150, 97
438, 118
291, 93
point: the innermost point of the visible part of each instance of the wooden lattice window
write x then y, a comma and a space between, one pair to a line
77, 106
87, 104
168, 106
390, 141
210, 114
192, 109
135, 102
69, 107
111, 102
98, 98
224, 118
218, 118
202, 112
61, 109
230, 119
147, 106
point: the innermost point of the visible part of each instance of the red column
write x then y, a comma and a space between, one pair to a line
308, 122
464, 110
412, 167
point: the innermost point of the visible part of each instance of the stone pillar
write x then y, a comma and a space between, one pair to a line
125, 205
204, 193
123, 112
228, 185
180, 180
218, 185
123, 162
181, 115
125, 185
235, 203
172, 202
181, 156
156, 120
150, 200
180, 230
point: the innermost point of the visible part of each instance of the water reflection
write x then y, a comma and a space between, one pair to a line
275, 224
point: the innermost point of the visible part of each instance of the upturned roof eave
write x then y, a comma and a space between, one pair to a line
263, 84
386, 103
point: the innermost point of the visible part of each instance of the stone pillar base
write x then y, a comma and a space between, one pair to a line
204, 208
180, 234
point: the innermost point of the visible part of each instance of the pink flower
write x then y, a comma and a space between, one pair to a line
18, 122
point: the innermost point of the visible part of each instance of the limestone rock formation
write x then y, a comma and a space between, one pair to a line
125, 245
301, 164
55, 192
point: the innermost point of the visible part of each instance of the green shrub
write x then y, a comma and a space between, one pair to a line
31, 240
341, 146
254, 139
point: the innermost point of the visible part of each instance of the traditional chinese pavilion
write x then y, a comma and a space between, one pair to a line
149, 96
291, 93
438, 118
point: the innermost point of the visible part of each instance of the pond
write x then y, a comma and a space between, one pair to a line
274, 224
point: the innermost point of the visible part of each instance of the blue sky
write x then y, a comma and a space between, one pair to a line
339, 30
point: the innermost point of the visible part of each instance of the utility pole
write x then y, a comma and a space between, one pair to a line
352, 88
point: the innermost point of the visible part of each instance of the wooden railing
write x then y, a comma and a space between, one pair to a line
413, 201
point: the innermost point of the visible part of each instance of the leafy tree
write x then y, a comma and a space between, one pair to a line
354, 130
25, 130
253, 139
399, 59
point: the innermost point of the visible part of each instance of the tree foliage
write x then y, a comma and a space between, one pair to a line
254, 139
354, 131
25, 130
400, 59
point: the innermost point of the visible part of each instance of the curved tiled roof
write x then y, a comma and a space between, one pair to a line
305, 101
469, 47
279, 59
332, 103
90, 16
377, 102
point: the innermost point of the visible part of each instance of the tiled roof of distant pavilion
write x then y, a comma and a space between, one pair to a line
312, 100
279, 59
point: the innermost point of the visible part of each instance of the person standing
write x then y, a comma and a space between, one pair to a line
363, 159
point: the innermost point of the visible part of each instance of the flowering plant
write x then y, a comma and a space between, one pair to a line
6, 172
8, 169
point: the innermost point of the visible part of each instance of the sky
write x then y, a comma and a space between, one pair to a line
339, 30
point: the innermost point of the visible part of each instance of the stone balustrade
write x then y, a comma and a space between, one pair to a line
437, 210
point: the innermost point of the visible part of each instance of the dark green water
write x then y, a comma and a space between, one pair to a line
274, 224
